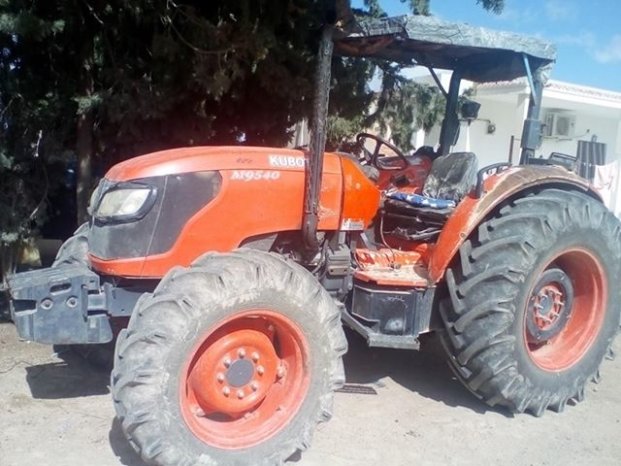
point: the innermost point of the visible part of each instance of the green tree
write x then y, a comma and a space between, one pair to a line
98, 81
107, 80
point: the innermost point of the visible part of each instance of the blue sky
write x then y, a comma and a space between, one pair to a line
586, 33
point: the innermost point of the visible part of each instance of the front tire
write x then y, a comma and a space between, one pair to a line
231, 361
533, 305
74, 251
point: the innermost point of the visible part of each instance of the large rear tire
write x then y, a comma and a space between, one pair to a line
533, 304
231, 361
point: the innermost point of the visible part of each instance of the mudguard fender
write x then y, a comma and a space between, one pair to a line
497, 188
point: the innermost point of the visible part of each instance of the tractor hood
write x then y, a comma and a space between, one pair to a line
481, 55
202, 159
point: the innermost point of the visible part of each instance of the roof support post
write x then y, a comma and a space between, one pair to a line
531, 134
450, 125
314, 162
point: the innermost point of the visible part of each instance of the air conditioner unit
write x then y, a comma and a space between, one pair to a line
559, 124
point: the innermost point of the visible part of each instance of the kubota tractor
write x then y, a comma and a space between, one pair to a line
237, 265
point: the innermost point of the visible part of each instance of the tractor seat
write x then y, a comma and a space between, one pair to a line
451, 178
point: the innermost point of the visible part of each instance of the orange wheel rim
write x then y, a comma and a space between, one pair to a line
245, 380
565, 311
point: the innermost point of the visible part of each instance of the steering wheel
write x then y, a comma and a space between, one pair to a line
372, 158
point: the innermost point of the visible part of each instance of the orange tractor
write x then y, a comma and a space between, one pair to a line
235, 267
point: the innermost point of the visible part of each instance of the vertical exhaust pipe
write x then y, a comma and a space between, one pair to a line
314, 161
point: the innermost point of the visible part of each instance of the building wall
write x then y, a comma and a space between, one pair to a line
586, 127
507, 116
491, 147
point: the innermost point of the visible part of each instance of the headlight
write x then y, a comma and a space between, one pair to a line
125, 203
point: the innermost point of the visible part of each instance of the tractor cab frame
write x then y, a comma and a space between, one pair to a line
471, 53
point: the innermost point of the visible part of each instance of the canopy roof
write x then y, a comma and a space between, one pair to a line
482, 55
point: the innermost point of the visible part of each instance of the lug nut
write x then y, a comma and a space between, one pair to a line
254, 386
270, 328
198, 412
240, 394
241, 353
226, 391
280, 373
220, 378
227, 362
255, 356
260, 370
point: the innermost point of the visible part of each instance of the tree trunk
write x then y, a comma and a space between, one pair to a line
84, 149
84, 131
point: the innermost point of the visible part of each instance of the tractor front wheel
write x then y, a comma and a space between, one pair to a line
231, 361
533, 304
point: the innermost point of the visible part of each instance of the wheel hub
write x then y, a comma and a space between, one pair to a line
549, 306
240, 373
245, 379
236, 373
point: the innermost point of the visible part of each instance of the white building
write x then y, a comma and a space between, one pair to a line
570, 113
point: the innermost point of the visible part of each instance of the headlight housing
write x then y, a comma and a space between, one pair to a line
125, 202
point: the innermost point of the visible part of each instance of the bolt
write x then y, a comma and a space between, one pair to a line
240, 394
198, 412
270, 328
255, 356
241, 353
280, 373
227, 362
254, 386
260, 370
220, 377
226, 391
47, 304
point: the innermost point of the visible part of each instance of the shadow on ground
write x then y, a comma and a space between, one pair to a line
424, 372
70, 378
121, 447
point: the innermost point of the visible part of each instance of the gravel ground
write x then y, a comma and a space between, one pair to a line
55, 410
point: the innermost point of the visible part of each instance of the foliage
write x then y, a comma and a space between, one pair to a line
113, 79
94, 82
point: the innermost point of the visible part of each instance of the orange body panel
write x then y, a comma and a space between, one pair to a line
361, 198
196, 159
390, 267
472, 211
262, 192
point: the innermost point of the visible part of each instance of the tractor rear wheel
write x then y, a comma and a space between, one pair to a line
231, 361
533, 305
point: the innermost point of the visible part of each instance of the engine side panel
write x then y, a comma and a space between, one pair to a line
361, 197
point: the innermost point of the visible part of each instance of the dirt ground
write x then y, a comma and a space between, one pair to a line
57, 411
